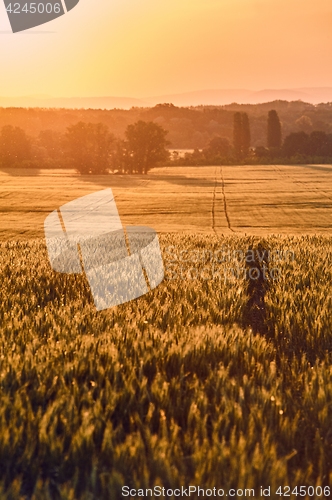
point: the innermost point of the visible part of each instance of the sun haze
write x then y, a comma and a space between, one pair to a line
143, 48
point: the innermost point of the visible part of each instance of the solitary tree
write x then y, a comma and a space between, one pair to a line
15, 146
273, 130
89, 146
145, 146
241, 134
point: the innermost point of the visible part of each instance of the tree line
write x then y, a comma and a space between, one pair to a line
297, 147
188, 127
90, 148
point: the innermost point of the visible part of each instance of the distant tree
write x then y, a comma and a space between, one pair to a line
261, 152
15, 146
121, 159
304, 124
273, 130
89, 147
237, 133
52, 143
296, 143
145, 146
246, 137
219, 147
320, 144
325, 146
241, 134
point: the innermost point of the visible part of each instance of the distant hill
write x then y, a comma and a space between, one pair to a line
203, 97
242, 96
217, 97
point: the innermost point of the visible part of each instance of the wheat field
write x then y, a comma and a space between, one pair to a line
178, 387
259, 199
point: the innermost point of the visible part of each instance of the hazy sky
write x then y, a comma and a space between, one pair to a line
143, 48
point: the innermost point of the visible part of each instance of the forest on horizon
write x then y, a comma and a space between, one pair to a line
188, 127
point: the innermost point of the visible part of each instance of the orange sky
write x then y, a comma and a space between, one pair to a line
143, 48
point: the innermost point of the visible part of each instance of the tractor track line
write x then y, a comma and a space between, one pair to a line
225, 201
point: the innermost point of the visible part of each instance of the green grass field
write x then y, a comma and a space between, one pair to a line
175, 388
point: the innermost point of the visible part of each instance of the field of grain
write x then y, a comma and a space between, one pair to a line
258, 199
178, 387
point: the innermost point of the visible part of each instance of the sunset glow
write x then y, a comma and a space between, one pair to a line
143, 48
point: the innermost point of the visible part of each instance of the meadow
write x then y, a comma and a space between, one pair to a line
178, 387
